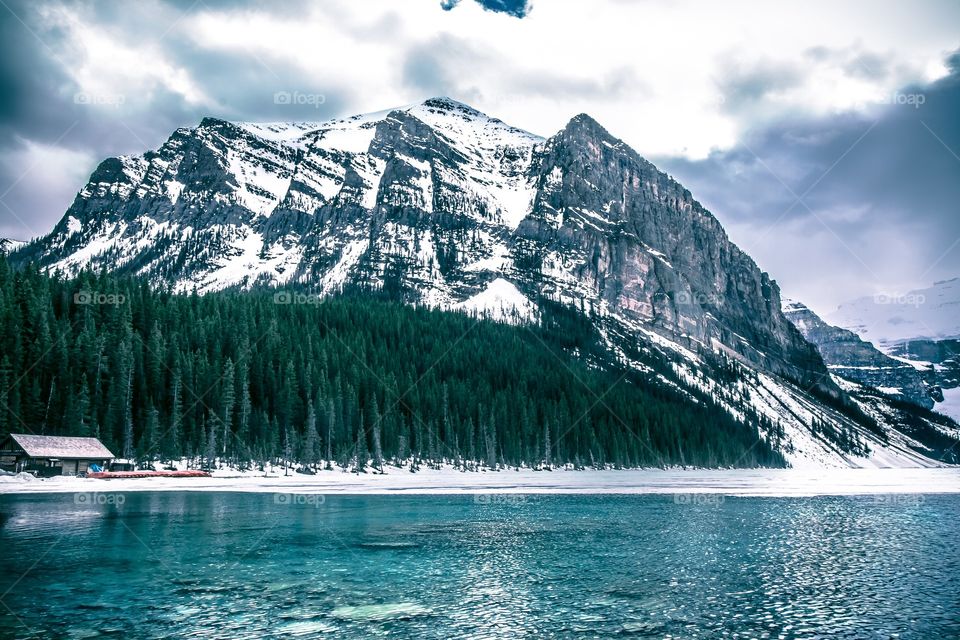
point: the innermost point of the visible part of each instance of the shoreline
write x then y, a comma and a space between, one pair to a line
448, 481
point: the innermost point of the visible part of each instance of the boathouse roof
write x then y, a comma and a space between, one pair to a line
61, 447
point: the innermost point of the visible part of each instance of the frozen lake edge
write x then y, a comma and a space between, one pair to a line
733, 482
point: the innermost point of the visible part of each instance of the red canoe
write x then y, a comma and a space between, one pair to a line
107, 475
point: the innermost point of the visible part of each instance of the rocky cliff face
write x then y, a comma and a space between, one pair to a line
607, 227
850, 357
937, 362
439, 204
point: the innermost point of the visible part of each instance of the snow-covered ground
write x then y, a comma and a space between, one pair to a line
759, 482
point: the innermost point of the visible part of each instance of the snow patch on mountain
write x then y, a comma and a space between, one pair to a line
501, 301
497, 262
350, 255
279, 131
260, 188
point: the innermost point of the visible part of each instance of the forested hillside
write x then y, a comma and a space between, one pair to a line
248, 377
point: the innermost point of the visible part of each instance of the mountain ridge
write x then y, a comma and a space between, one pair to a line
436, 203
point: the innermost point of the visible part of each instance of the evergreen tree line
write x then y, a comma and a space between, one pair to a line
251, 377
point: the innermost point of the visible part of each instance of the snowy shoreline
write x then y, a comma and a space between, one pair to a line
734, 482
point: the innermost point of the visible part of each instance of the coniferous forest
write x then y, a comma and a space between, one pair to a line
354, 381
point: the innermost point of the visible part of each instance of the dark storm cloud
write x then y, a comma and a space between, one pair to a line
868, 65
431, 68
743, 86
515, 8
42, 110
870, 182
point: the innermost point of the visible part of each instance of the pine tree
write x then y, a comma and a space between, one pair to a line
330, 431
155, 368
310, 437
287, 448
546, 445
211, 443
172, 447
432, 446
148, 440
360, 449
490, 439
227, 397
245, 410
46, 412
272, 444
83, 406
5, 411
128, 405
471, 442
377, 448
402, 451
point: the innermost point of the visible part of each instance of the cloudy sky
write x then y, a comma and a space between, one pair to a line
824, 135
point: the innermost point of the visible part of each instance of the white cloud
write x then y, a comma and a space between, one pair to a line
567, 55
115, 69
654, 73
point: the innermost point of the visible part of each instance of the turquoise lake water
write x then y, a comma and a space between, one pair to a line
234, 565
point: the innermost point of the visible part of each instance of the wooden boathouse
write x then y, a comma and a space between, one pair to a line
52, 455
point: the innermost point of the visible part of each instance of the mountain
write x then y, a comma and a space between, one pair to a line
8, 246
438, 204
888, 320
848, 356
921, 329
